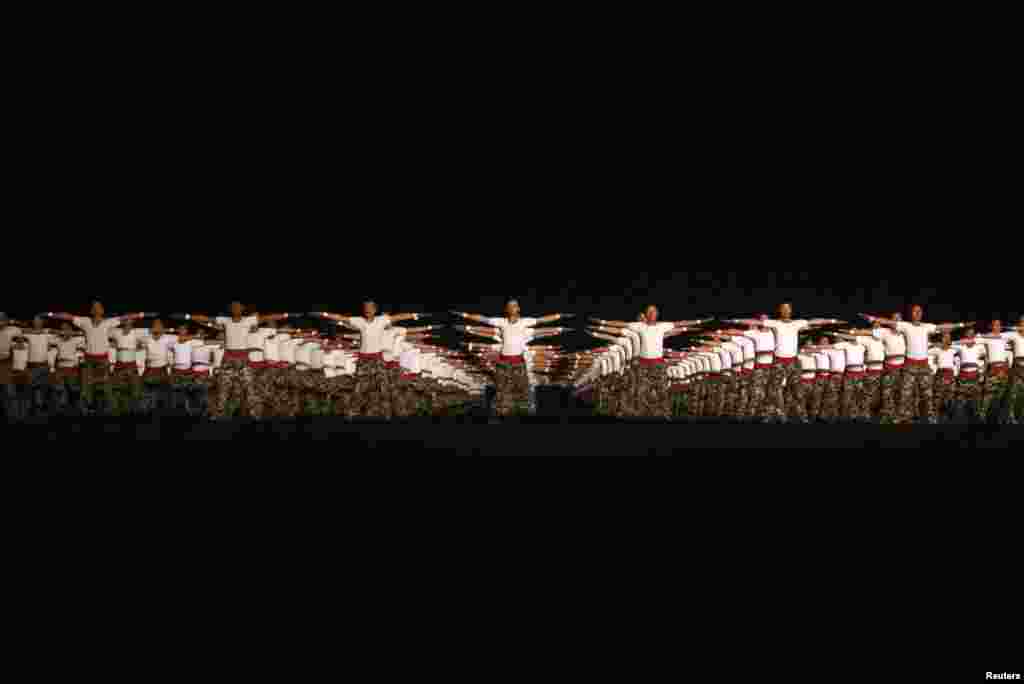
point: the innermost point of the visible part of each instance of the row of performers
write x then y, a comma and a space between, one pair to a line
895, 371
253, 364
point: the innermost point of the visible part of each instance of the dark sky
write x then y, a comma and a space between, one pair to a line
577, 193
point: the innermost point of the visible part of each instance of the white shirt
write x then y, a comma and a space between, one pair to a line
837, 359
39, 346
183, 355
945, 359
97, 337
995, 347
371, 337
874, 350
5, 340
714, 362
736, 352
970, 354
808, 365
158, 349
764, 340
236, 335
272, 347
392, 343
917, 338
286, 349
67, 351
894, 343
127, 343
19, 359
304, 355
410, 360
634, 341
258, 340
822, 361
786, 335
854, 353
725, 357
514, 336
748, 347
652, 338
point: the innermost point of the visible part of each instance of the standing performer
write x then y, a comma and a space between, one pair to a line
157, 350
66, 378
7, 334
1016, 392
97, 329
945, 376
968, 386
874, 358
996, 373
512, 382
855, 404
785, 370
373, 388
652, 396
39, 341
235, 378
916, 387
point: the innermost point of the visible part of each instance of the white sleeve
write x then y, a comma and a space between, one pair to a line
221, 320
495, 322
529, 322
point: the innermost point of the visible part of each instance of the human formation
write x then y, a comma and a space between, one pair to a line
259, 365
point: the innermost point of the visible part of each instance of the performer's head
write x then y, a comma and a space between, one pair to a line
37, 323
969, 335
127, 323
236, 310
761, 321
158, 328
824, 341
651, 313
916, 313
947, 340
271, 324
997, 327
785, 311
641, 317
65, 329
369, 309
97, 310
897, 316
512, 310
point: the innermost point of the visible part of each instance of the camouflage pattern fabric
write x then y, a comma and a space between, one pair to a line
235, 383
513, 389
758, 392
915, 394
994, 391
943, 392
856, 402
652, 395
890, 381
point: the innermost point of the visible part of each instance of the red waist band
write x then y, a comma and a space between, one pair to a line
391, 364
97, 357
515, 360
785, 360
409, 376
917, 362
651, 362
370, 357
236, 356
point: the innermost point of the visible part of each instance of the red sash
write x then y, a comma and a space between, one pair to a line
785, 360
370, 357
391, 364
236, 356
651, 362
511, 360
917, 362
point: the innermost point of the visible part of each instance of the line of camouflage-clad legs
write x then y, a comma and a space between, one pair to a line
779, 394
236, 389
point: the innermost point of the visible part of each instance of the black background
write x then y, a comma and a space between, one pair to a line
452, 175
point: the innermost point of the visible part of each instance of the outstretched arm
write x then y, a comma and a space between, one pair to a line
950, 327
680, 330
611, 324
554, 317
888, 322
473, 317
690, 324
548, 332
817, 322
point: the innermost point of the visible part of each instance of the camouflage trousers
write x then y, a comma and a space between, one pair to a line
742, 393
340, 393
1015, 394
33, 394
714, 392
372, 394
680, 400
816, 398
65, 390
190, 393
968, 394
512, 389
652, 397
831, 398
873, 392
856, 400
783, 378
235, 383
729, 383
156, 393
890, 382
916, 394
799, 398
125, 386
16, 398
698, 395
994, 393
943, 392
412, 397
758, 392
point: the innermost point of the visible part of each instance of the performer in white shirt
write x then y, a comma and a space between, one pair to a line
945, 376
511, 379
995, 400
916, 387
36, 390
235, 379
652, 395
1016, 391
968, 381
785, 369
373, 390
96, 364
